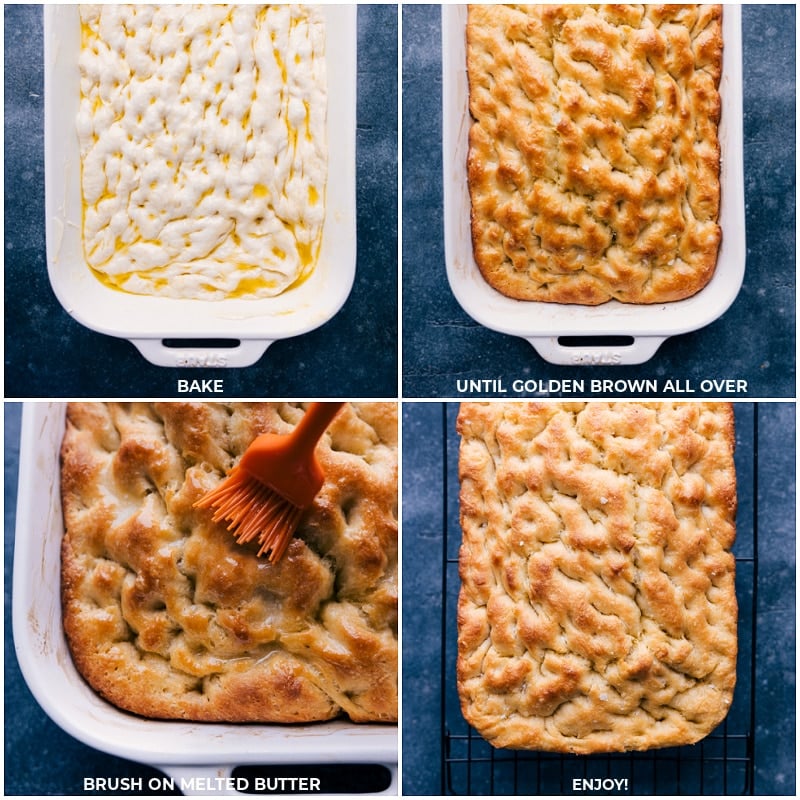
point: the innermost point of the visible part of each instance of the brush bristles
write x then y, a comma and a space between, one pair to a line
253, 510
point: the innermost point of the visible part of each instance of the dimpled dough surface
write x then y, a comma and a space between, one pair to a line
597, 611
166, 616
594, 153
202, 134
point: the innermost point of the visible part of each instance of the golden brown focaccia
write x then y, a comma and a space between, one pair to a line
166, 616
594, 154
597, 610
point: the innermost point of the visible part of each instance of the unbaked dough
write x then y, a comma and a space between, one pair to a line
203, 147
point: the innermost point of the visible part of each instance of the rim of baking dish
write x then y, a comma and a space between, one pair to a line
125, 315
55, 683
534, 319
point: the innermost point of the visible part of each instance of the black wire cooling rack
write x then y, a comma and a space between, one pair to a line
721, 764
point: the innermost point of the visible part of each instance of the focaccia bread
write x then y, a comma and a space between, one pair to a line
202, 132
594, 156
168, 617
597, 610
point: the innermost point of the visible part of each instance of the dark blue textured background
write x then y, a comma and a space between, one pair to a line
753, 340
48, 354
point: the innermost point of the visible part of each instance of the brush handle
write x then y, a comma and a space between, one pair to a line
314, 423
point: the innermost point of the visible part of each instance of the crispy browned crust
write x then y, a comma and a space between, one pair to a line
594, 154
597, 610
166, 616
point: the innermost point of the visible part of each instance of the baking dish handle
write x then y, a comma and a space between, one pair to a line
203, 353
588, 353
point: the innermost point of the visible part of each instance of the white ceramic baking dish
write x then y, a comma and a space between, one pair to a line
545, 325
180, 749
189, 326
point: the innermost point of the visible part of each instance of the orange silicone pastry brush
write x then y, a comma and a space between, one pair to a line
278, 477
